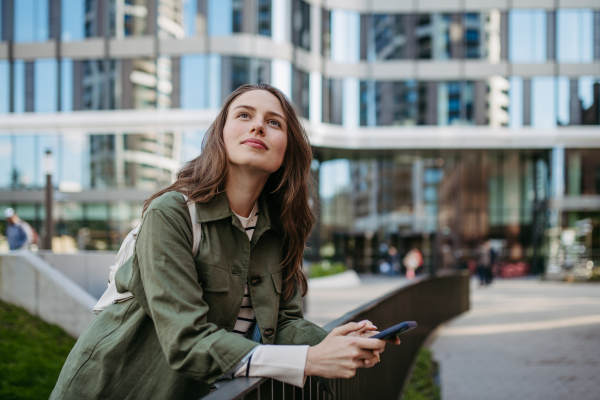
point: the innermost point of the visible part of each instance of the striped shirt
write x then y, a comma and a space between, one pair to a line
283, 363
246, 318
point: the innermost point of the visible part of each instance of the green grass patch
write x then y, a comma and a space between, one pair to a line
422, 384
326, 268
32, 353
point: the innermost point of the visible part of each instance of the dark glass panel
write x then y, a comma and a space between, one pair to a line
264, 17
102, 161
301, 24
300, 91
396, 103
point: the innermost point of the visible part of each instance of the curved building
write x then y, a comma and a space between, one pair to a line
435, 124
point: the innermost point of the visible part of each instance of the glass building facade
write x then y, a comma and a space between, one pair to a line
433, 125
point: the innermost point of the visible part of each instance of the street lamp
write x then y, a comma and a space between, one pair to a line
48, 225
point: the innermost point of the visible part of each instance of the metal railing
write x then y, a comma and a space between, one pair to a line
430, 301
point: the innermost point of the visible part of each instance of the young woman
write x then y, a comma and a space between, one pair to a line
197, 319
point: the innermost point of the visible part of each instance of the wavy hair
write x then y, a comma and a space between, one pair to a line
204, 177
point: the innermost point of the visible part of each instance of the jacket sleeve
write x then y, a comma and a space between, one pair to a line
292, 328
165, 283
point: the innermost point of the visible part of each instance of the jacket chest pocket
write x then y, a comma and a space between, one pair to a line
212, 278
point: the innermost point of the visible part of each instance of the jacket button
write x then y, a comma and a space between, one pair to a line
256, 281
269, 333
201, 282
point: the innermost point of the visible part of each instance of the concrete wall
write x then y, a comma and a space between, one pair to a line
29, 282
88, 269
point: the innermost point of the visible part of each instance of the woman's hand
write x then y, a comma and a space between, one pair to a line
339, 354
367, 331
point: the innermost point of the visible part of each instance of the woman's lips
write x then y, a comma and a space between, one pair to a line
256, 143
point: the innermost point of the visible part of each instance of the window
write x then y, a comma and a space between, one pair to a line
237, 16
301, 24
6, 157
396, 103
264, 17
589, 98
72, 166
574, 36
31, 21
527, 36
220, 16
238, 71
19, 86
25, 162
66, 70
94, 84
543, 105
437, 34
73, 21
455, 103
345, 36
194, 81
332, 100
102, 161
300, 91
4, 87
392, 36
45, 85
131, 18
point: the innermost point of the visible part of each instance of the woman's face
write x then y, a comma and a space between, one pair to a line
255, 132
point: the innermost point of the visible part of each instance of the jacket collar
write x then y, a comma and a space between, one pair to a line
218, 208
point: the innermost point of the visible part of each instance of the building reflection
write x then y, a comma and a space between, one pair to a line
442, 202
457, 75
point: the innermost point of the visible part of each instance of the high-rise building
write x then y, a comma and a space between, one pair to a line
434, 124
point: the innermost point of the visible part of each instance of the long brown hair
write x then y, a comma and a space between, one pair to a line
204, 177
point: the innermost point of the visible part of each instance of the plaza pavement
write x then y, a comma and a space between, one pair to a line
523, 339
327, 304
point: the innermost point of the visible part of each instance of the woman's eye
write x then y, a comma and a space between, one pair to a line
244, 115
277, 123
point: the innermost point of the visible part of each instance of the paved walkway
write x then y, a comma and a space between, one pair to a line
325, 305
523, 339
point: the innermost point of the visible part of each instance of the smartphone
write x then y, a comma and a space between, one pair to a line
395, 330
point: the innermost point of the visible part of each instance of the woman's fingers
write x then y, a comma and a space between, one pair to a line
369, 362
364, 354
370, 333
367, 326
348, 328
369, 344
342, 351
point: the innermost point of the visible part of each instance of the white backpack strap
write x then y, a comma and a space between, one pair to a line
196, 226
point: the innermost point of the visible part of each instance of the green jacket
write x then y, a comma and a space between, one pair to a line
174, 338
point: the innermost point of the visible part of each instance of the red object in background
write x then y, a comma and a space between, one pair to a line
512, 270
472, 265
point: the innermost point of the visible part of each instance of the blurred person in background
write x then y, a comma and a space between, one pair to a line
18, 232
412, 261
394, 261
484, 263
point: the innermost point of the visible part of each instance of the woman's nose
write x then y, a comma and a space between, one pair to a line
259, 127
